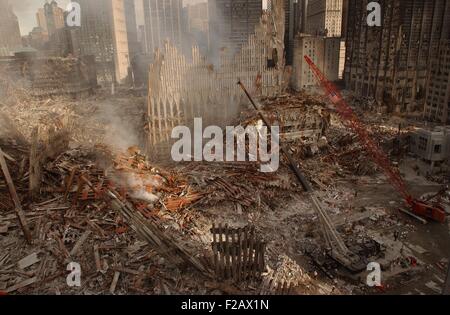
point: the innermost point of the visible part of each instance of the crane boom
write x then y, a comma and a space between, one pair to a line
351, 120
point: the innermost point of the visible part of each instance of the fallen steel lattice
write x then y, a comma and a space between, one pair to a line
149, 231
238, 255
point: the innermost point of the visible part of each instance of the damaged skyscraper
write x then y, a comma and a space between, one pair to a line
293, 25
9, 29
437, 103
392, 62
132, 30
231, 22
103, 34
324, 17
162, 22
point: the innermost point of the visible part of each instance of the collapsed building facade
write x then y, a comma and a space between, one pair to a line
392, 63
180, 90
232, 22
162, 22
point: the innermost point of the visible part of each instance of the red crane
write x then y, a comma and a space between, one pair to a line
418, 207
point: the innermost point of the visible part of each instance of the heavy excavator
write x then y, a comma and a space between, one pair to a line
418, 207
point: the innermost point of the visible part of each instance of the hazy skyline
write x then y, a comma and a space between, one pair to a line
26, 11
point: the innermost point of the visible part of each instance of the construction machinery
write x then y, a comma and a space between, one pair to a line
421, 208
337, 249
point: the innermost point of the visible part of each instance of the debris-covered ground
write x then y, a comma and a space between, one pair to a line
88, 195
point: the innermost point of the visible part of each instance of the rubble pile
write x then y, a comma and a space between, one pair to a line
92, 199
90, 121
302, 120
240, 184
74, 220
74, 223
346, 151
54, 76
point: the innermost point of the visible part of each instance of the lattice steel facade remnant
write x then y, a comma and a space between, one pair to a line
238, 254
181, 88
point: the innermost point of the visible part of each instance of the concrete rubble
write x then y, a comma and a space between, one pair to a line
142, 227
87, 185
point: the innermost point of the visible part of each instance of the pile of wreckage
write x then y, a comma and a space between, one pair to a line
135, 227
116, 215
120, 217
44, 76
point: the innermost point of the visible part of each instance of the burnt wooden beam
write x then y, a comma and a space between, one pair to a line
17, 204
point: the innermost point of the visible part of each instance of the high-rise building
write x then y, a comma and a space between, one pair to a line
162, 22
54, 16
10, 38
303, 6
324, 17
132, 30
437, 103
64, 42
231, 22
323, 51
195, 23
37, 38
103, 34
142, 39
197, 17
293, 18
392, 62
41, 20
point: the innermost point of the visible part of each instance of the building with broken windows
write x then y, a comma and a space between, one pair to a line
231, 22
103, 34
195, 23
392, 63
9, 29
132, 30
437, 103
181, 89
294, 10
162, 22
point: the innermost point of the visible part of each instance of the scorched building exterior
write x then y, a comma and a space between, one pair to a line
394, 62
